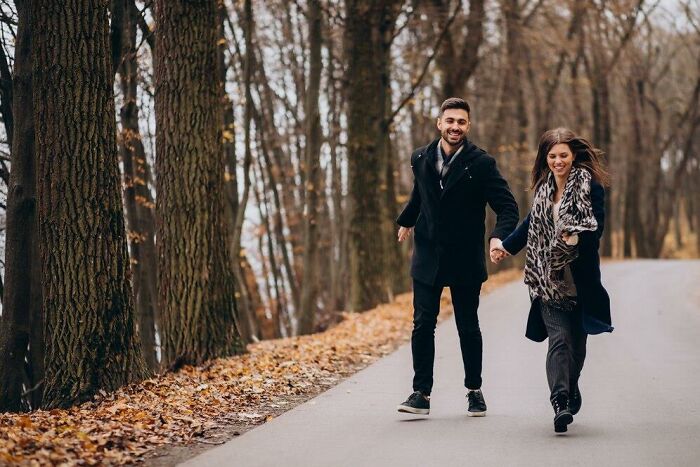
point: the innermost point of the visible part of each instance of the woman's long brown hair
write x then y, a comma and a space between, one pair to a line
585, 155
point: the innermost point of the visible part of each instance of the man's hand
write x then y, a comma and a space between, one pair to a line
404, 233
496, 250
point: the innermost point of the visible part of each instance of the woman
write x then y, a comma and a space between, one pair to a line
562, 233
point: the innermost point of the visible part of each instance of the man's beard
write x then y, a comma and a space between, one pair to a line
446, 136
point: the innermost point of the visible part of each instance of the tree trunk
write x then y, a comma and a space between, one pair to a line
279, 301
337, 227
632, 220
138, 199
457, 65
91, 338
309, 283
695, 196
602, 138
6, 92
281, 173
195, 283
246, 317
21, 321
396, 262
367, 24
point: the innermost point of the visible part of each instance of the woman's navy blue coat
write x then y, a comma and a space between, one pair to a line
585, 269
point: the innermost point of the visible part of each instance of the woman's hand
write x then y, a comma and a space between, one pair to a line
569, 239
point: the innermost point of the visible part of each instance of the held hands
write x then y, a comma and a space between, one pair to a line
404, 233
496, 251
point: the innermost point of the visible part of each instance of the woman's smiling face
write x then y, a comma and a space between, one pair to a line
560, 159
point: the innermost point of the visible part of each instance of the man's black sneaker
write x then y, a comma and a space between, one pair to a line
477, 405
575, 400
562, 414
416, 403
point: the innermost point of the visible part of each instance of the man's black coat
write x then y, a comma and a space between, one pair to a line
449, 222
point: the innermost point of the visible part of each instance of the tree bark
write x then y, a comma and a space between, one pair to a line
309, 283
138, 199
246, 312
367, 25
633, 228
21, 322
338, 232
117, 13
457, 65
6, 94
195, 283
91, 338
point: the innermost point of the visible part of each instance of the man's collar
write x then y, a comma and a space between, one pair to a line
442, 154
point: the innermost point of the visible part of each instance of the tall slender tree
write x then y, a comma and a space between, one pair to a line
21, 322
458, 57
140, 207
309, 283
195, 283
91, 338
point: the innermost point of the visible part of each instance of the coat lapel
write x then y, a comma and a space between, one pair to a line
459, 167
426, 168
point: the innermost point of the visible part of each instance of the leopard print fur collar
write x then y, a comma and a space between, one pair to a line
547, 253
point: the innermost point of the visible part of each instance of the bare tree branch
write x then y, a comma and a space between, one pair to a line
430, 59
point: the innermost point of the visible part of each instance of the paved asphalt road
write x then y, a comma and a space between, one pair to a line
640, 386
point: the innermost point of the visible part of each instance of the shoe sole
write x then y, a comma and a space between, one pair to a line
413, 410
560, 423
476, 414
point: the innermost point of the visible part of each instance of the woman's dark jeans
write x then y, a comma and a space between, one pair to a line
567, 347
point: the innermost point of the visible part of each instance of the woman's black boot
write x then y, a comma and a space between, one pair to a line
562, 414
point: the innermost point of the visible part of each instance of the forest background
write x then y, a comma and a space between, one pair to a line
178, 179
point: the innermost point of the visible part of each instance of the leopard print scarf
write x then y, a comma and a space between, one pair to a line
547, 253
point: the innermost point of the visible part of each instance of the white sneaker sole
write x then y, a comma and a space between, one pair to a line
413, 410
476, 414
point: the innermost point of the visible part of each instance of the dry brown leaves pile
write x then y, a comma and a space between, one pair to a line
176, 409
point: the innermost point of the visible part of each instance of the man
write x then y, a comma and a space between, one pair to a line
453, 181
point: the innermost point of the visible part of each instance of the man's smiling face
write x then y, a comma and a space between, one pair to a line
453, 126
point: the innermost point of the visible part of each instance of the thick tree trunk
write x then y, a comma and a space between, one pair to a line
309, 283
21, 321
91, 338
138, 199
367, 24
195, 286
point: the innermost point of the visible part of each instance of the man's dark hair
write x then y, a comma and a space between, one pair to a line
454, 103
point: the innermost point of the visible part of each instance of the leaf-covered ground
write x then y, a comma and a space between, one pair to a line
205, 405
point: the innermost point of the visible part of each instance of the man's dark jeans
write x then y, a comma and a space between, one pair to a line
426, 306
